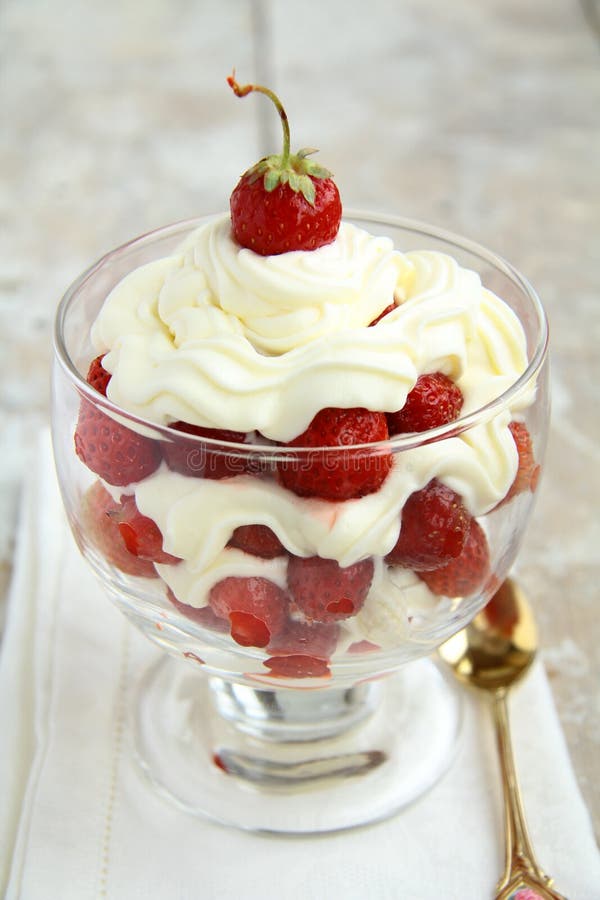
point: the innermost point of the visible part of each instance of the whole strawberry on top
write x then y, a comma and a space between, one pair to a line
286, 201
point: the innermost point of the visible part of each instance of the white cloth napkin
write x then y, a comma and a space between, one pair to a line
77, 821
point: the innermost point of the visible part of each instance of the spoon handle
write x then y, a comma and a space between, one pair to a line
521, 873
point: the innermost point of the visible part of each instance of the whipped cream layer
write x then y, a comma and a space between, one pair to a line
396, 599
347, 532
197, 516
217, 336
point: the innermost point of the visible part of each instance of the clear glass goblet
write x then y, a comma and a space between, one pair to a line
306, 726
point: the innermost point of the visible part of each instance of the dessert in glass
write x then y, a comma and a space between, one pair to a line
298, 460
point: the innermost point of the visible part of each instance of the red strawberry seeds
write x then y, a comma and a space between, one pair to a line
339, 475
284, 202
434, 528
326, 592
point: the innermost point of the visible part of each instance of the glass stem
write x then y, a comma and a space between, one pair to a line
293, 715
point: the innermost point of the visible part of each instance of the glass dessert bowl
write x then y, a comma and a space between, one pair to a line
289, 581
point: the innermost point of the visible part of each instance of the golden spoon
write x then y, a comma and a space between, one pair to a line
491, 654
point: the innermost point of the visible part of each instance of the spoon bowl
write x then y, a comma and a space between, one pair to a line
497, 648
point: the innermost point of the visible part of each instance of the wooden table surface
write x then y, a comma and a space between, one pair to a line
480, 117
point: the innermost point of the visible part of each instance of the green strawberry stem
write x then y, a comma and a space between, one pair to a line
244, 90
293, 169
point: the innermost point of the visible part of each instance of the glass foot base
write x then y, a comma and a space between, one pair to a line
294, 761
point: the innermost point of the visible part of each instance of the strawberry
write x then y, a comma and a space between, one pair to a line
302, 649
528, 471
363, 646
97, 376
312, 639
117, 454
286, 201
434, 400
326, 592
467, 573
114, 452
338, 475
255, 608
258, 540
201, 615
99, 526
383, 314
298, 666
189, 457
140, 534
434, 528
502, 611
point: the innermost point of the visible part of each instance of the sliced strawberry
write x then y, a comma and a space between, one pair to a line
326, 592
141, 535
467, 573
312, 639
528, 471
434, 400
202, 460
285, 202
98, 525
434, 528
115, 453
258, 540
255, 608
298, 666
339, 475
97, 375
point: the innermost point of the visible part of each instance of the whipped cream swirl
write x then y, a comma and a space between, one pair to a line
219, 337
